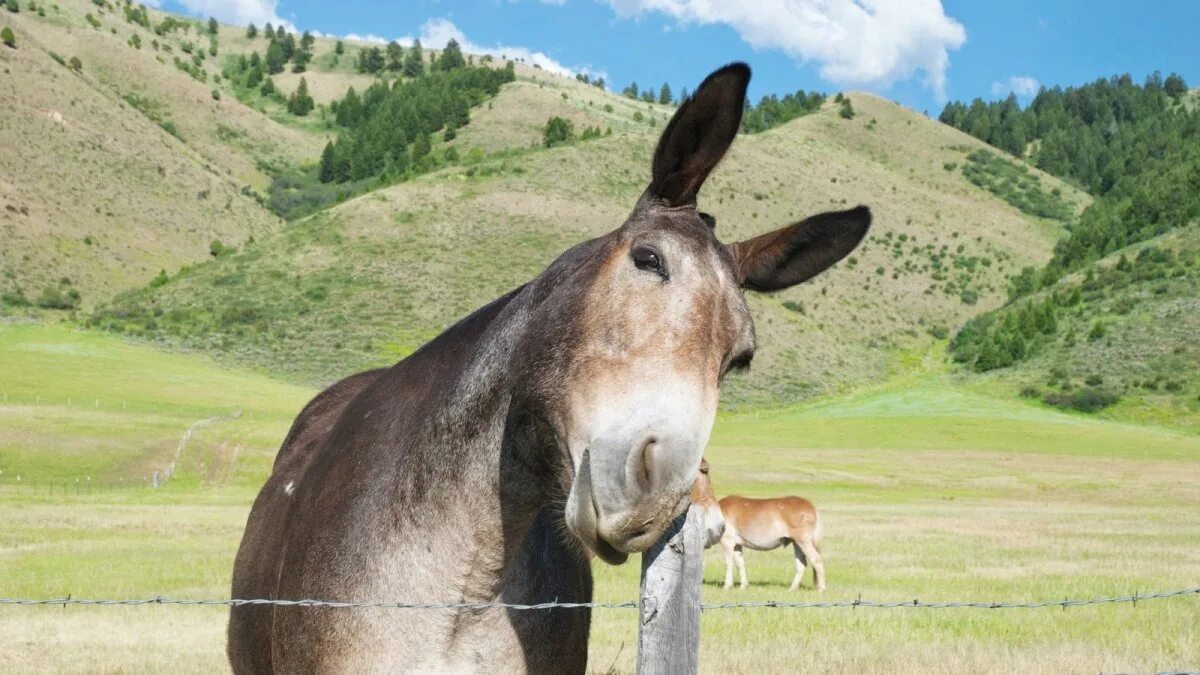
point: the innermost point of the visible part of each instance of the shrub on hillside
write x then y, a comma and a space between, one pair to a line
847, 110
1088, 399
12, 6
76, 64
58, 296
7, 37
14, 298
558, 131
217, 249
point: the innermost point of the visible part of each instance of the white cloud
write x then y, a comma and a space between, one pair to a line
856, 42
369, 37
1021, 86
239, 12
438, 31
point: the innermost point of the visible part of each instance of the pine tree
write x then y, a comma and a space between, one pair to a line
251, 32
213, 26
1175, 86
420, 147
300, 103
414, 61
452, 56
664, 94
395, 57
254, 75
327, 168
268, 32
288, 42
349, 110
339, 48
275, 58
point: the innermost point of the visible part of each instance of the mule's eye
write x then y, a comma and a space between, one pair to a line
646, 258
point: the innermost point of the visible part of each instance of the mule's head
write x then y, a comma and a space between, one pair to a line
704, 498
657, 318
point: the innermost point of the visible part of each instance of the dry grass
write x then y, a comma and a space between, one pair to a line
80, 164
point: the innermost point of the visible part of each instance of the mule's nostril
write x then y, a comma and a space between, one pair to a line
646, 460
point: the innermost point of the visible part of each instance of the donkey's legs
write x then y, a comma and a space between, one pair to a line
800, 564
727, 544
741, 565
814, 557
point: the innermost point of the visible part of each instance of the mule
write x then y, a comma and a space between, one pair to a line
766, 524
706, 500
568, 414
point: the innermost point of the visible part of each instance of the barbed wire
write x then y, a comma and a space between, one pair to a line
764, 604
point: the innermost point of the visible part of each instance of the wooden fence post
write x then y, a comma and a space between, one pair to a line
669, 607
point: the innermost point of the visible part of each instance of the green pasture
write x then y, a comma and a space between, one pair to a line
926, 491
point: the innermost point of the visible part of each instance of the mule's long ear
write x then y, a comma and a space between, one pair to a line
698, 135
786, 257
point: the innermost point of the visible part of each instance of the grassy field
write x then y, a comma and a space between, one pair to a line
926, 491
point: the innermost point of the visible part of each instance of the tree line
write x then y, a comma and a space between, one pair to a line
1135, 148
387, 128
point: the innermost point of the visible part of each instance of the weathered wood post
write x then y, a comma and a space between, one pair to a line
669, 607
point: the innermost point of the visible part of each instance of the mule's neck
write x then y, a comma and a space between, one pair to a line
459, 447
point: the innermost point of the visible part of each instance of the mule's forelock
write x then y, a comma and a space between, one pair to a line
698, 135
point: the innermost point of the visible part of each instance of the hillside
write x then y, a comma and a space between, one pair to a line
1109, 322
126, 166
369, 280
1124, 336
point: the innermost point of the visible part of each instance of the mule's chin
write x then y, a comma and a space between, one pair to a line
582, 521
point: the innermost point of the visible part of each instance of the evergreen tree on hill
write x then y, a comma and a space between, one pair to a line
395, 57
452, 56
275, 58
414, 61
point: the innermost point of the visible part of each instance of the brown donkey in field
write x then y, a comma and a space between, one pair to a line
572, 410
765, 524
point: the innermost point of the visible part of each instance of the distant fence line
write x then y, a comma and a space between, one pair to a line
761, 604
85, 485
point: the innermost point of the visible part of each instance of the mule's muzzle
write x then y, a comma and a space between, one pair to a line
621, 502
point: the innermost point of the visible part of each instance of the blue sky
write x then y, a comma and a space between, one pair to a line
918, 52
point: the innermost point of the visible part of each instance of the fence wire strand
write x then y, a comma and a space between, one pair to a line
765, 604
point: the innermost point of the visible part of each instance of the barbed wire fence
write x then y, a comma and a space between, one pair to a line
915, 603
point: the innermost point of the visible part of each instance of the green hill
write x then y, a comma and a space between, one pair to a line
366, 281
369, 280
1123, 339
1109, 322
